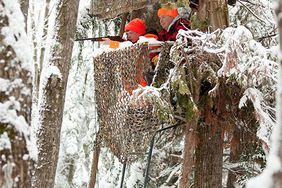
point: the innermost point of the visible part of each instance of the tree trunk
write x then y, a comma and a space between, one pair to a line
236, 150
209, 156
149, 14
94, 168
190, 142
122, 25
24, 8
15, 100
53, 93
39, 46
211, 15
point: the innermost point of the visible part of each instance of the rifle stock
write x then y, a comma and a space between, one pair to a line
99, 39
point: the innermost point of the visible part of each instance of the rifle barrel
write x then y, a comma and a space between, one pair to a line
98, 39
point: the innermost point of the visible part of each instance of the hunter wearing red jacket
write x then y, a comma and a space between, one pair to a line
171, 22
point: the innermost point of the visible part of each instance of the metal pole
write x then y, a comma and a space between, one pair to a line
149, 160
151, 151
123, 172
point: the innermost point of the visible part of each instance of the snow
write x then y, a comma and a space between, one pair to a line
105, 46
47, 70
136, 175
80, 124
4, 142
266, 122
15, 34
265, 179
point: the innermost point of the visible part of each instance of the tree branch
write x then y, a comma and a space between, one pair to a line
251, 11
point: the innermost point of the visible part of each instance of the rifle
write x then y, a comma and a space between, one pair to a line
99, 39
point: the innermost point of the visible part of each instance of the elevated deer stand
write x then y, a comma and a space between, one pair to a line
127, 122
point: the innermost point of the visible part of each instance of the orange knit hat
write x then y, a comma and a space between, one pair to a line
168, 9
137, 25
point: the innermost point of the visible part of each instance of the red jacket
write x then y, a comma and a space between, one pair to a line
177, 24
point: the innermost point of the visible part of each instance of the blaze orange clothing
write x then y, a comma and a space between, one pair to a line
143, 82
153, 56
137, 25
168, 11
127, 85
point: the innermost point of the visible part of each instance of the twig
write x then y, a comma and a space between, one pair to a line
247, 1
180, 118
268, 36
252, 12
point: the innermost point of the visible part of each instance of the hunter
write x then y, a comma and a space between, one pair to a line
171, 22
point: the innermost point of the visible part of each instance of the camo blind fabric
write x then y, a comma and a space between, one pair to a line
126, 125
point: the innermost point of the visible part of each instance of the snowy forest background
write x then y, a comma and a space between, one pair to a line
33, 59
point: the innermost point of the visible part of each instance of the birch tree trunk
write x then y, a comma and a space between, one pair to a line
15, 98
52, 92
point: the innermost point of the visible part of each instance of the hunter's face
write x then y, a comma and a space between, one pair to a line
132, 36
165, 21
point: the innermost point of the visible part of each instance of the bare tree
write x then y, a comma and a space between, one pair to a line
15, 99
53, 92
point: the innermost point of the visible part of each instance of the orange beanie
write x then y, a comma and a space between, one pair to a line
167, 11
137, 25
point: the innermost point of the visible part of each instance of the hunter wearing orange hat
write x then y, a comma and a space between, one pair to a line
171, 22
134, 29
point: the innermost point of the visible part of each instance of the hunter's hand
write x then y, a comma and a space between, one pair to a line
106, 41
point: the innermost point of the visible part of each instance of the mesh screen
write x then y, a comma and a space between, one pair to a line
127, 122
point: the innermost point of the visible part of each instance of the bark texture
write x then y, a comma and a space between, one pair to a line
211, 15
53, 93
188, 163
94, 167
24, 8
202, 163
15, 103
208, 170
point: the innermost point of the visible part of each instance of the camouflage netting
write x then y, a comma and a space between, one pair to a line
127, 122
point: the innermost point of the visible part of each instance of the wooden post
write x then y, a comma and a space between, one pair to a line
122, 25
